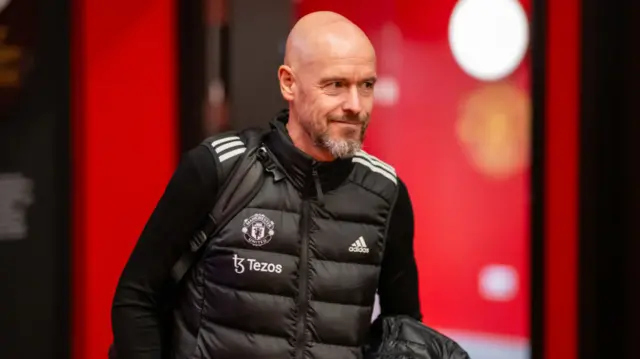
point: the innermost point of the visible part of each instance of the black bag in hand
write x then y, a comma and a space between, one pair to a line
403, 337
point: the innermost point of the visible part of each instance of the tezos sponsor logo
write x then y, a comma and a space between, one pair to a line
249, 264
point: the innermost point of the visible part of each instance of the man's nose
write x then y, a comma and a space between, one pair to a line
352, 102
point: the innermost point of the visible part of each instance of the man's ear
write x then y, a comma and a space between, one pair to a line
285, 75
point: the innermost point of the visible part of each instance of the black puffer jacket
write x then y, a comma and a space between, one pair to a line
402, 337
293, 274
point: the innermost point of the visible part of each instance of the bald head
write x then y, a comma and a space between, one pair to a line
327, 77
324, 34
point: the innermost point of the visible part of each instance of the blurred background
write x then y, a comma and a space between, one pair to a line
512, 122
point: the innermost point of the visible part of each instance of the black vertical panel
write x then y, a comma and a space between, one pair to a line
34, 181
538, 54
591, 139
191, 89
606, 181
258, 30
633, 184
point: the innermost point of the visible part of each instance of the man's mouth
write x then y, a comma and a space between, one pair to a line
352, 123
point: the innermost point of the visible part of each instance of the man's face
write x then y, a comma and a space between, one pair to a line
334, 99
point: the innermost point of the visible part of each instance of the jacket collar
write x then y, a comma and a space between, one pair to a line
312, 178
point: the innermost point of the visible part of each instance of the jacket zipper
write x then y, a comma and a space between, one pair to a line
303, 299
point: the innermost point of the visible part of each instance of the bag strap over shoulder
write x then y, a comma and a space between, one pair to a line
238, 157
240, 174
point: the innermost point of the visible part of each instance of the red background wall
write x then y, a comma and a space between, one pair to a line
561, 177
124, 152
124, 146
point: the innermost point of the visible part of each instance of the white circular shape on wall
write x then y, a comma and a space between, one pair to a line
488, 38
386, 91
498, 282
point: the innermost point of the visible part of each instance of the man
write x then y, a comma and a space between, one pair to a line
294, 274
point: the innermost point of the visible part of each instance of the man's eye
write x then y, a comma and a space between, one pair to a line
368, 85
337, 84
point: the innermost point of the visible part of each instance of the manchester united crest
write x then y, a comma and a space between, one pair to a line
258, 229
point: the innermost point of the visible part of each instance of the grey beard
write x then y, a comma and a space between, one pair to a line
340, 148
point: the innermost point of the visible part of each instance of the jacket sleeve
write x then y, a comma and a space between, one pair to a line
187, 199
398, 286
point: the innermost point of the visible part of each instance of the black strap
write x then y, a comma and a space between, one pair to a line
241, 180
238, 189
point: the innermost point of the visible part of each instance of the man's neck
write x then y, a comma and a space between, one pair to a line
304, 143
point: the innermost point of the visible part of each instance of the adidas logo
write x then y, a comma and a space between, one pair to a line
359, 246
